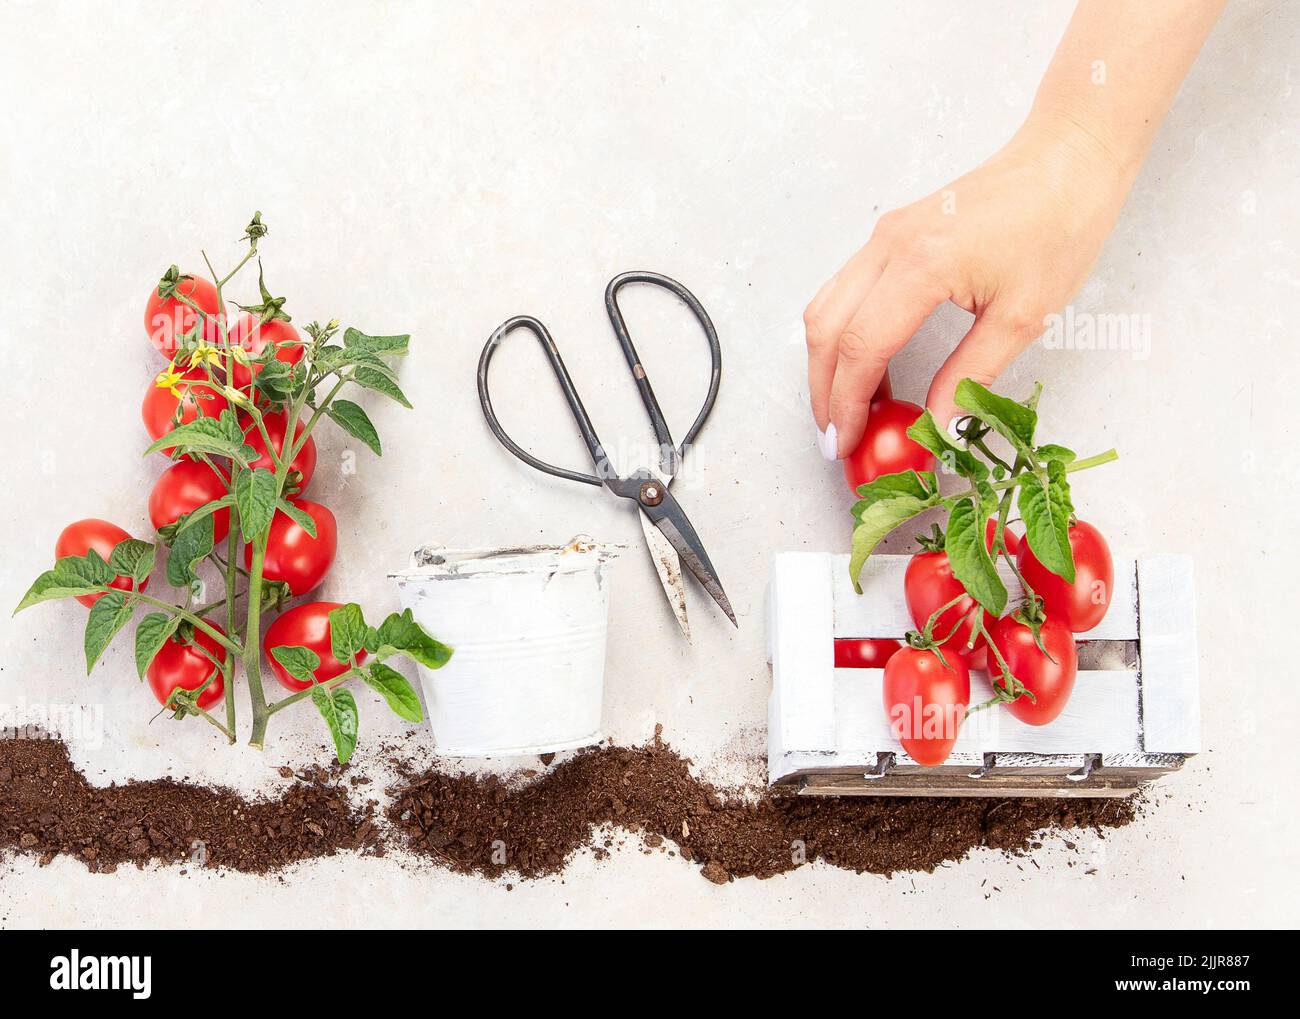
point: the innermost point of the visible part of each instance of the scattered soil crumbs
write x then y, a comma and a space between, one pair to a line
48, 808
483, 825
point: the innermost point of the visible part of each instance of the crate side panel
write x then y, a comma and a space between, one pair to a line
1100, 718
802, 708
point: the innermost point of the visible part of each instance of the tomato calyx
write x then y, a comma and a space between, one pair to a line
271, 308
932, 542
169, 284
924, 641
1033, 614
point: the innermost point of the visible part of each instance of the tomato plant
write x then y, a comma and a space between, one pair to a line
177, 398
228, 518
1082, 603
1044, 664
863, 653
953, 587
184, 487
925, 698
299, 552
886, 447
306, 626
174, 310
81, 536
188, 665
273, 427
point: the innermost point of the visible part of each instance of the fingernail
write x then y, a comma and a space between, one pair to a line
953, 430
826, 442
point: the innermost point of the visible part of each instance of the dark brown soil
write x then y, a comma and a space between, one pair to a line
48, 808
481, 825
484, 826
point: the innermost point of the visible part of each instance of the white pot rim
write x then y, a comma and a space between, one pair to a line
439, 562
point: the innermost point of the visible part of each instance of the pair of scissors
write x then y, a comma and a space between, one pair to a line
669, 535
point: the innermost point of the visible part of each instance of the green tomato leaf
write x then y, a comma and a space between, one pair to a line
1054, 452
384, 346
396, 690
275, 380
1045, 508
954, 458
298, 515
255, 497
1013, 421
71, 576
339, 710
133, 558
300, 662
370, 378
970, 560
877, 520
891, 486
401, 634
107, 616
188, 548
203, 435
347, 631
353, 420
150, 635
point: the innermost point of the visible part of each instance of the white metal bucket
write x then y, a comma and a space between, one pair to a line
528, 628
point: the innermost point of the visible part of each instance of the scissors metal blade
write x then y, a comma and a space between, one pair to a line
669, 518
669, 568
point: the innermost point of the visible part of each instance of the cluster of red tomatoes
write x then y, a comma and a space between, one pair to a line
293, 556
1035, 642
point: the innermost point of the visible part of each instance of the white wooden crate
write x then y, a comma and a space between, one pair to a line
1134, 714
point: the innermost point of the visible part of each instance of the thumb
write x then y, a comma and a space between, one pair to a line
993, 342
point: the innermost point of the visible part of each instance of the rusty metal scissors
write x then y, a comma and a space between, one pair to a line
669, 534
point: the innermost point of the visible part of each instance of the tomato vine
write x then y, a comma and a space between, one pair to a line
211, 361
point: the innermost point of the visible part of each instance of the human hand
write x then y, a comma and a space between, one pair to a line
1010, 242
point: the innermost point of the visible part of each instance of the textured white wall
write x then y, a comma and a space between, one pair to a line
436, 170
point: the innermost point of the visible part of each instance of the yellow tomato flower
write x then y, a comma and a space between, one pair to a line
169, 378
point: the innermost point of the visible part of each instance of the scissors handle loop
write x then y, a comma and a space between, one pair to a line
598, 455
670, 453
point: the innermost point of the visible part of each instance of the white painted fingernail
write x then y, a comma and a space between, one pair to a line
952, 428
826, 442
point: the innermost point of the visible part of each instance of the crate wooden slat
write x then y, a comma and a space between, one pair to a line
829, 734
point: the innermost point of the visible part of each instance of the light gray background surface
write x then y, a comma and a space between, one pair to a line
434, 169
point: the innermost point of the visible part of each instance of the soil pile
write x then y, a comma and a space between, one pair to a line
481, 825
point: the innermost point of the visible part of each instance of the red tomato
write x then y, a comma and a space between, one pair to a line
294, 556
926, 702
1083, 604
185, 666
1008, 536
928, 585
1049, 680
885, 447
198, 398
81, 536
305, 626
304, 463
185, 486
168, 321
253, 335
978, 659
861, 653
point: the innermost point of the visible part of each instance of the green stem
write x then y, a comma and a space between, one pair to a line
189, 617
338, 680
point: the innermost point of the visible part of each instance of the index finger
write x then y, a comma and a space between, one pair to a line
888, 318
